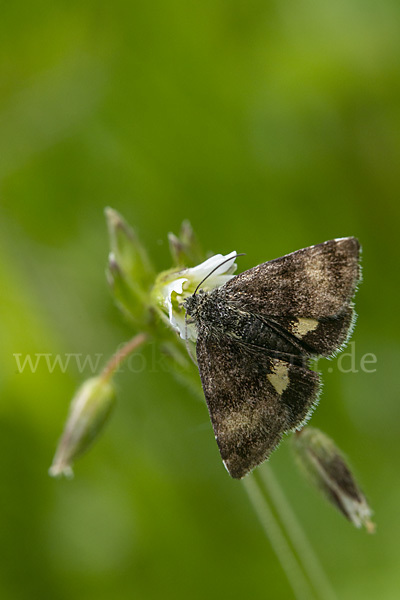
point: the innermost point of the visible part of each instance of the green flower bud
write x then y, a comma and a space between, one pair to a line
130, 274
327, 468
89, 411
126, 298
177, 250
185, 249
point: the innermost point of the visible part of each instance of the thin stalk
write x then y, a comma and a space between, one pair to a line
116, 360
309, 560
300, 586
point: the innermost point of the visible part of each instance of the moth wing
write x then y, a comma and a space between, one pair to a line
306, 293
252, 398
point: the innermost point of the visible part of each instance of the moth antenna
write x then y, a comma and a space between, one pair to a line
215, 269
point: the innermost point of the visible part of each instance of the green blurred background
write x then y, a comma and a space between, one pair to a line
271, 125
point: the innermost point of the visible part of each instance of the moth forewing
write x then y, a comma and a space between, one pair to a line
256, 334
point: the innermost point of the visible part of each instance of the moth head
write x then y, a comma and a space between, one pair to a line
192, 303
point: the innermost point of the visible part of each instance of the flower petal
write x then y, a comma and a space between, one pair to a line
204, 268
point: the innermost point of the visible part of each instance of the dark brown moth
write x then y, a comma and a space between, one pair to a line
256, 336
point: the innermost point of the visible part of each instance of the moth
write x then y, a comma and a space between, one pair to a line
256, 336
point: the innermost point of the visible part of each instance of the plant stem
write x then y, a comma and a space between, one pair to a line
121, 354
309, 560
281, 547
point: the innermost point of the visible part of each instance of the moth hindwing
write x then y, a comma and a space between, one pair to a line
255, 336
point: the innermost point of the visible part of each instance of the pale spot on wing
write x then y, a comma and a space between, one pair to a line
316, 270
238, 420
302, 326
279, 377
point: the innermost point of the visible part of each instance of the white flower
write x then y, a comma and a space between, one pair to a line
172, 288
